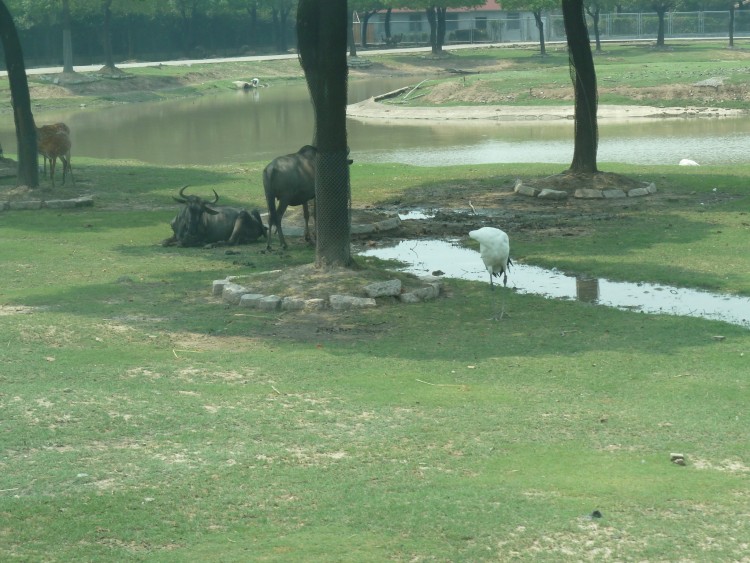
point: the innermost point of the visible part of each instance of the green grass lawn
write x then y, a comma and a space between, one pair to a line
143, 421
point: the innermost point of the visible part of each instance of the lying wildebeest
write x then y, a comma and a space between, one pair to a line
200, 223
291, 180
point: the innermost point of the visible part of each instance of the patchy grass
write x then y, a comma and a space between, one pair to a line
144, 420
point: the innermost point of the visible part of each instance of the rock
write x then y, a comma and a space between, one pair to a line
521, 189
548, 193
232, 292
426, 293
217, 287
688, 162
651, 188
588, 193
365, 229
389, 288
315, 304
269, 303
251, 300
613, 194
343, 302
410, 297
4, 205
22, 205
638, 192
292, 304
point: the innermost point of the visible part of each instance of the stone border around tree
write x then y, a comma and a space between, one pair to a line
237, 294
34, 204
583, 193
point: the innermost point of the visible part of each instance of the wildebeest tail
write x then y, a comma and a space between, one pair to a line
273, 220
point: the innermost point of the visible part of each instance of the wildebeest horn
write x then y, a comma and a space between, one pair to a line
181, 199
216, 198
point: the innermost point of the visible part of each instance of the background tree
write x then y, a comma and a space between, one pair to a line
280, 12
28, 169
594, 9
536, 7
366, 9
321, 40
435, 11
583, 75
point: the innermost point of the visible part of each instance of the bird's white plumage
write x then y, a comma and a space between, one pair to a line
494, 249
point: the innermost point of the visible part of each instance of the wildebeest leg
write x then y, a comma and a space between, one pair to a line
306, 213
279, 216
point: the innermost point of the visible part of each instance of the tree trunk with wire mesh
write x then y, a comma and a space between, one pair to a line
322, 45
583, 75
28, 170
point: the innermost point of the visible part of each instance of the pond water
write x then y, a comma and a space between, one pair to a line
238, 126
422, 257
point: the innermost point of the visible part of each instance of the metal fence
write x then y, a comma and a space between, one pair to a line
521, 26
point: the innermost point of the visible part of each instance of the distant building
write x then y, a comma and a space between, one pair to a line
485, 24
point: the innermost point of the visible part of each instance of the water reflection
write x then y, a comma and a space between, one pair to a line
422, 257
257, 125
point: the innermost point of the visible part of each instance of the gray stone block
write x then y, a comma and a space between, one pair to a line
383, 289
388, 224
24, 205
232, 292
315, 304
613, 194
588, 193
269, 303
409, 297
343, 302
217, 287
292, 304
548, 193
638, 192
251, 300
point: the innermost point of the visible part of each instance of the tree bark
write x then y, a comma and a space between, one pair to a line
595, 13
67, 38
28, 169
583, 75
388, 23
109, 61
660, 30
731, 25
350, 35
322, 38
540, 27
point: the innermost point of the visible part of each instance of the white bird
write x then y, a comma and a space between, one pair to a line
688, 162
494, 249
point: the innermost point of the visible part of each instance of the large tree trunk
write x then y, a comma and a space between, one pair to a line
388, 23
67, 38
441, 28
28, 170
540, 27
583, 75
322, 38
363, 28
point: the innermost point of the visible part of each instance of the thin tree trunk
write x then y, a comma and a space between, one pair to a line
388, 23
109, 61
67, 38
540, 27
595, 14
432, 18
731, 25
350, 35
660, 30
28, 169
440, 28
583, 75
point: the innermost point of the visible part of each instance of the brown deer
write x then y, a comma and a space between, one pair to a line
53, 142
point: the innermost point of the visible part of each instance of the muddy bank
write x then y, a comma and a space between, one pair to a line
369, 110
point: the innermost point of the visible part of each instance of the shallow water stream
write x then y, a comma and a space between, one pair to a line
422, 257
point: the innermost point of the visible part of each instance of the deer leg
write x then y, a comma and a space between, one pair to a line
52, 163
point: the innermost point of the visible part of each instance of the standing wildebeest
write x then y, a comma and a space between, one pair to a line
200, 223
291, 180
